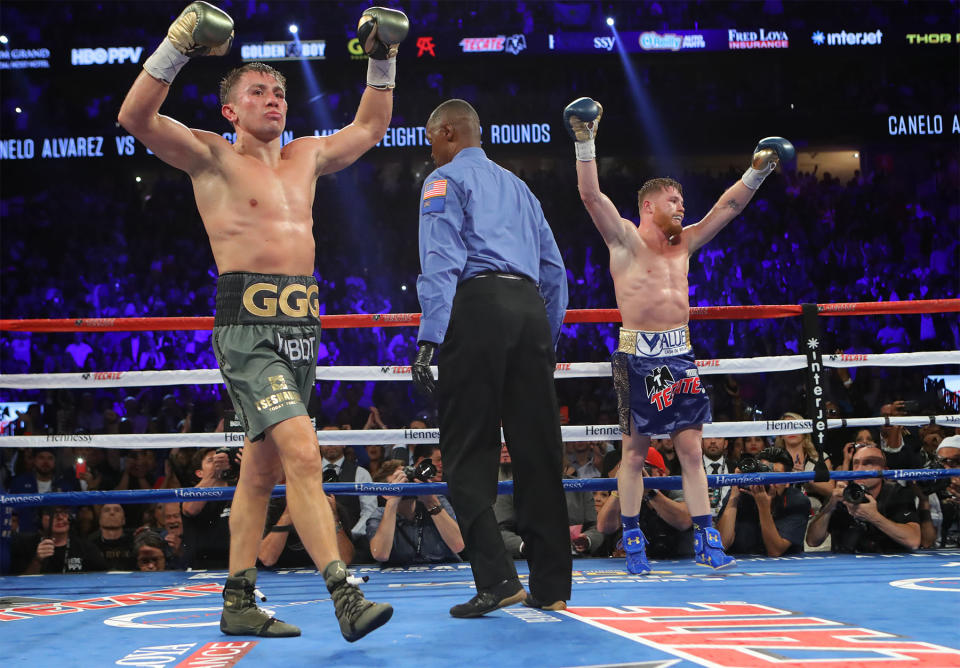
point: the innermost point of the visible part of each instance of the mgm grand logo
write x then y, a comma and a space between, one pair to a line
295, 300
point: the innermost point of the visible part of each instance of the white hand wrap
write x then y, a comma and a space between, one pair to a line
586, 151
165, 62
382, 74
752, 178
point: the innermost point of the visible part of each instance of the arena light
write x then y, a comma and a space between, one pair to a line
293, 28
138, 179
18, 110
645, 112
610, 21
3, 39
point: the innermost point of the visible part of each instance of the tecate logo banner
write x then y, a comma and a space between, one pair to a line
512, 44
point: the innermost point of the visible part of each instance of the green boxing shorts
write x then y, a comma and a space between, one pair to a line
265, 336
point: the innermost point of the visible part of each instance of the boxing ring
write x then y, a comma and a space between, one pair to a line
817, 608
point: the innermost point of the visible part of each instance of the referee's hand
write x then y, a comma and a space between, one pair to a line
423, 378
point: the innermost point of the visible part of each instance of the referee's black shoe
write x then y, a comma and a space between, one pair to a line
506, 593
532, 602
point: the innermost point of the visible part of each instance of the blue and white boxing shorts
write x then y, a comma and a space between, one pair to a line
656, 379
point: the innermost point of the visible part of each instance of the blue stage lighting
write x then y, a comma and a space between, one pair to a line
610, 21
293, 28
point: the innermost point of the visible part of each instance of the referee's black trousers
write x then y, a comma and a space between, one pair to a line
496, 364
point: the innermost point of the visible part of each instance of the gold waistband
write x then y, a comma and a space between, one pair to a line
655, 344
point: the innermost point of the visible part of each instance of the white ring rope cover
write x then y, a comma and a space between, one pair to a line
403, 436
92, 379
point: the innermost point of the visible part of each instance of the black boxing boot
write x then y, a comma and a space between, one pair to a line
242, 617
357, 615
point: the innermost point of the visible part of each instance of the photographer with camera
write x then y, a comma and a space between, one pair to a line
948, 497
764, 519
900, 447
206, 524
413, 529
281, 546
869, 515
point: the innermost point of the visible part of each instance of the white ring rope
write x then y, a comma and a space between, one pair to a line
403, 436
27, 381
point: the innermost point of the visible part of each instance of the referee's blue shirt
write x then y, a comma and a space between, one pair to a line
476, 216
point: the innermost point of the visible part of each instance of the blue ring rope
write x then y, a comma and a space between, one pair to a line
404, 489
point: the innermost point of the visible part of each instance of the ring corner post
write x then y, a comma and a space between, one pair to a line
6, 535
816, 391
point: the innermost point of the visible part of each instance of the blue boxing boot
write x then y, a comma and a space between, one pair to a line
635, 544
708, 549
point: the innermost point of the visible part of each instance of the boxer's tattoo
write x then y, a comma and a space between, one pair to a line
733, 204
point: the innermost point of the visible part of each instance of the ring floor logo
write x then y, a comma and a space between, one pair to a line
220, 654
951, 584
170, 618
736, 633
16, 613
186, 618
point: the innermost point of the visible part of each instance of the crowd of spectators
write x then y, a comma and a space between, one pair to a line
101, 245
880, 241
885, 243
867, 516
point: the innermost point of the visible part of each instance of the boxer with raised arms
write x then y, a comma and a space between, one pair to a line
654, 371
255, 197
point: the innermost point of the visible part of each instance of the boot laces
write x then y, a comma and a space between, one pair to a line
348, 601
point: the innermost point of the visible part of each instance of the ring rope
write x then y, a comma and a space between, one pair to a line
401, 489
360, 320
29, 381
401, 436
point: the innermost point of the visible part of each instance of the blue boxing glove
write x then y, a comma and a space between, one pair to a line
765, 157
581, 118
379, 32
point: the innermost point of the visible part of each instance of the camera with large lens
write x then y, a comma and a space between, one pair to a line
933, 485
753, 465
231, 474
855, 493
422, 471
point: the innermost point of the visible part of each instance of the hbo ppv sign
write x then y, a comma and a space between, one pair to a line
104, 56
295, 300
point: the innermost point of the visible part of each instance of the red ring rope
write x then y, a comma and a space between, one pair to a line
359, 320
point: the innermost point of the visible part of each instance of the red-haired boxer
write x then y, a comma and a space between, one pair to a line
654, 371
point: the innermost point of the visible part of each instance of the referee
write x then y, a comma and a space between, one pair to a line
493, 293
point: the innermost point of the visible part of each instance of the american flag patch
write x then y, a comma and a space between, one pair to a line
436, 189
